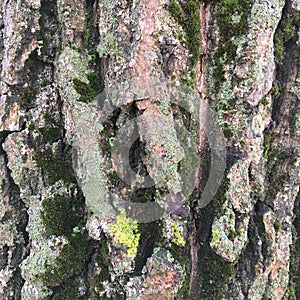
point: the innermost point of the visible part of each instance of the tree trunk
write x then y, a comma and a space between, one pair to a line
149, 149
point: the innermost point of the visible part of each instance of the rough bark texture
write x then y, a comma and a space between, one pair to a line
66, 231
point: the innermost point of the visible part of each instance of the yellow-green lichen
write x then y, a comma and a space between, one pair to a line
215, 236
177, 236
126, 233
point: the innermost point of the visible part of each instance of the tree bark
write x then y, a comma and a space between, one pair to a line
149, 149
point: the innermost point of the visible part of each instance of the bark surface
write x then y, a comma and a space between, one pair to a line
149, 149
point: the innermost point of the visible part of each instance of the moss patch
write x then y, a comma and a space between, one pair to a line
102, 260
276, 157
49, 33
57, 166
216, 275
61, 214
87, 91
182, 256
276, 90
64, 215
187, 14
286, 33
277, 226
52, 158
71, 261
269, 152
231, 16
53, 130
69, 291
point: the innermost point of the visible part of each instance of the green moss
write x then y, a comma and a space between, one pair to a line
31, 127
290, 293
64, 215
279, 46
277, 226
287, 31
102, 259
176, 11
231, 16
57, 166
49, 134
273, 152
50, 27
181, 255
61, 214
184, 292
276, 157
113, 178
86, 35
227, 131
226, 11
53, 130
71, 261
45, 83
55, 162
216, 275
220, 196
218, 71
265, 101
69, 291
269, 152
187, 78
276, 90
89, 38
102, 262
87, 91
187, 14
126, 233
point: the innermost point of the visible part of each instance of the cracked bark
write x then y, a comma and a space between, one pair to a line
56, 56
